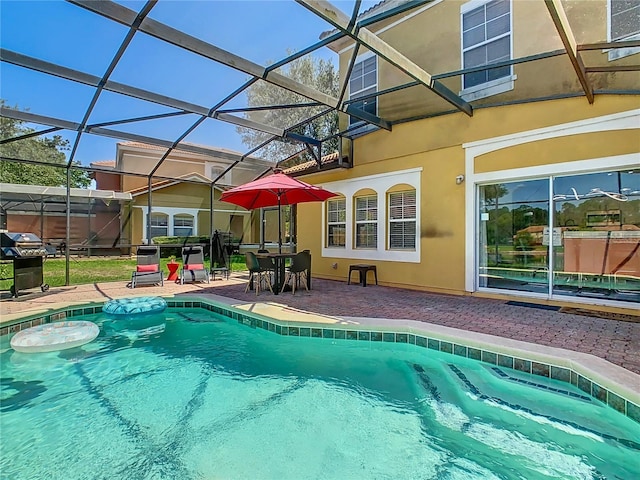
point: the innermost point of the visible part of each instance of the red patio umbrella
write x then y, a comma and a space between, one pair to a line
275, 190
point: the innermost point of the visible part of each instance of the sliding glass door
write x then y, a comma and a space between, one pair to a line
512, 251
590, 241
597, 224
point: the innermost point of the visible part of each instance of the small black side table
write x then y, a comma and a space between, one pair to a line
363, 269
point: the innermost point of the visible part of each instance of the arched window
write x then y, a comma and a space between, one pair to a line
215, 170
183, 225
402, 220
159, 224
336, 222
366, 216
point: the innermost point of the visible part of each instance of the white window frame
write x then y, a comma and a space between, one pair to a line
170, 212
337, 223
381, 184
166, 226
618, 121
369, 211
492, 87
209, 172
353, 94
616, 53
402, 219
183, 216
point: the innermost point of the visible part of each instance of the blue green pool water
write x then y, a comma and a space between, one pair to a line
190, 394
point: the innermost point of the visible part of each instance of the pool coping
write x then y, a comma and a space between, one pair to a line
609, 383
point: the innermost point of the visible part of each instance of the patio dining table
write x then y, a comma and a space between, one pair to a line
279, 273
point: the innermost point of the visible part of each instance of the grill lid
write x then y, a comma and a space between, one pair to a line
15, 239
16, 245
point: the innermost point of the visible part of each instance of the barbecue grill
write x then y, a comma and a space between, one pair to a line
27, 253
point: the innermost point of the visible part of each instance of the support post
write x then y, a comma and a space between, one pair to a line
89, 238
149, 211
68, 234
41, 218
211, 195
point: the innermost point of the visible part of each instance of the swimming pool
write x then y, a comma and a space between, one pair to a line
192, 394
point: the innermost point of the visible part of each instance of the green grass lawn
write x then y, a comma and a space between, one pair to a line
91, 270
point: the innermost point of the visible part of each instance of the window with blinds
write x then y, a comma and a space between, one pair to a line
402, 220
159, 225
366, 232
486, 38
336, 222
182, 225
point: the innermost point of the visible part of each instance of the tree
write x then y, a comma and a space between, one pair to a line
316, 73
42, 149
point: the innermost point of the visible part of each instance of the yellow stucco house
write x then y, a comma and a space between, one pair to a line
180, 192
445, 201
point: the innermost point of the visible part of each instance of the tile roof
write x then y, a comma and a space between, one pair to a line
167, 183
157, 147
105, 163
311, 164
302, 167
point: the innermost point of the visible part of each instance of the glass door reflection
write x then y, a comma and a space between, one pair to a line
513, 253
598, 216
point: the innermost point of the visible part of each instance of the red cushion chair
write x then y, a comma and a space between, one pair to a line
193, 265
147, 271
147, 268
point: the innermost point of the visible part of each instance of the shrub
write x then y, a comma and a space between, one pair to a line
179, 242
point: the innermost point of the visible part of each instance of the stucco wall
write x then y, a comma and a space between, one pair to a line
436, 147
193, 199
107, 181
144, 160
432, 40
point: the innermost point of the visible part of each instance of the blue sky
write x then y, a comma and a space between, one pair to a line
59, 32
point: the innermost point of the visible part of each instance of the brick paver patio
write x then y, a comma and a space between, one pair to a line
614, 340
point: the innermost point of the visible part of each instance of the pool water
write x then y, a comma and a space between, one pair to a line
190, 394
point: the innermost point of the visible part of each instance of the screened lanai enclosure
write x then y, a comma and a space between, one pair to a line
145, 112
97, 225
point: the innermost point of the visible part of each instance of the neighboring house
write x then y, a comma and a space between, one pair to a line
435, 203
180, 195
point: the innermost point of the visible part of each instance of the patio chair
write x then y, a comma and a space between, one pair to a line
221, 257
257, 274
193, 265
268, 265
297, 272
147, 270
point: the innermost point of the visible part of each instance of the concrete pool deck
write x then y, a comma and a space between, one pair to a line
542, 332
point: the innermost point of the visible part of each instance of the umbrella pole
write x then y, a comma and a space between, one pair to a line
279, 227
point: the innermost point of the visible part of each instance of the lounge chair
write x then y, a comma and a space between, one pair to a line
148, 267
257, 274
298, 271
193, 269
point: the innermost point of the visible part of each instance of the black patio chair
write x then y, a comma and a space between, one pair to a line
298, 271
257, 274
193, 269
147, 270
267, 264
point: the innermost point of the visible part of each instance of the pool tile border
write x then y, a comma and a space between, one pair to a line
254, 320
